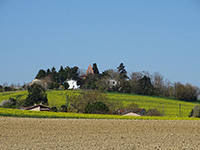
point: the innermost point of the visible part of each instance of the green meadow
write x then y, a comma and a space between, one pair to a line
169, 107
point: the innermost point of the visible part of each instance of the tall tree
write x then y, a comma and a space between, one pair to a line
123, 84
145, 86
62, 76
110, 73
158, 84
54, 74
73, 73
95, 69
41, 74
122, 72
48, 71
186, 92
36, 94
134, 81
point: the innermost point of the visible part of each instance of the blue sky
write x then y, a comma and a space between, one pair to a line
155, 36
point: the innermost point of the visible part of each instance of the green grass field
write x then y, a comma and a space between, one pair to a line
170, 107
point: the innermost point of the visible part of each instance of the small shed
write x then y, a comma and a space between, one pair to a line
131, 114
139, 111
38, 107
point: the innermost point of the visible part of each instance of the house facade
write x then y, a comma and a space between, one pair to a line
72, 84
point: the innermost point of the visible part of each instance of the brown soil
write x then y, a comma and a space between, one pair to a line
84, 134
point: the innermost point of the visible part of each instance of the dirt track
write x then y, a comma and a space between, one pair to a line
25, 133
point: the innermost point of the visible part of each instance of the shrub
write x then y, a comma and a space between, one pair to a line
97, 108
195, 112
81, 101
11, 103
54, 109
63, 108
153, 112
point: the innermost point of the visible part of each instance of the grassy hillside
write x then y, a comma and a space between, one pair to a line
171, 108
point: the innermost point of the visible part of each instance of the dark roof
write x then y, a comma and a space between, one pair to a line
38, 105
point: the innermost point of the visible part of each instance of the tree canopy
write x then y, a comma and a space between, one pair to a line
36, 95
142, 83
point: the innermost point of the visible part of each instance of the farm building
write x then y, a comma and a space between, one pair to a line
131, 114
139, 111
38, 107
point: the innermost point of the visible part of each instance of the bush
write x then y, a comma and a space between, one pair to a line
153, 112
66, 85
195, 112
97, 108
11, 103
7, 88
54, 109
63, 108
81, 101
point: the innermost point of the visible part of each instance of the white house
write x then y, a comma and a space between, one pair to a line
72, 84
112, 82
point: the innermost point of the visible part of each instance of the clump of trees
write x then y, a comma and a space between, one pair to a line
186, 92
97, 107
36, 94
11, 103
12, 87
142, 83
86, 101
56, 78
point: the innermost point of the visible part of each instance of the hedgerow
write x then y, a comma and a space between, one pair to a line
38, 114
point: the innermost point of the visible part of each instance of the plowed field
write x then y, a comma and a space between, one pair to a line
85, 134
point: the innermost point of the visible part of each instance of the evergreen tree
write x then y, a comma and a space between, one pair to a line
41, 74
122, 72
95, 69
54, 74
36, 95
48, 71
145, 87
61, 73
123, 85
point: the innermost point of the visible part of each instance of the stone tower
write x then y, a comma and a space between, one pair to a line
90, 70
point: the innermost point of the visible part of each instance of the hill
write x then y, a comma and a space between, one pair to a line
170, 107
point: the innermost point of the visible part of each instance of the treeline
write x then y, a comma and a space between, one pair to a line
13, 87
117, 80
56, 78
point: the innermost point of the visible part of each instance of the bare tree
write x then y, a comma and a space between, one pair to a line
135, 77
158, 83
186, 92
111, 73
